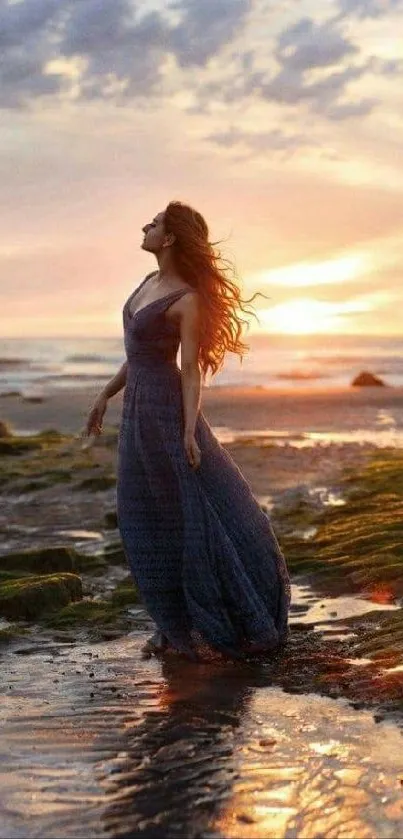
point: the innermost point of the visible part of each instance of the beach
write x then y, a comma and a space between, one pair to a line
334, 409
326, 466
304, 433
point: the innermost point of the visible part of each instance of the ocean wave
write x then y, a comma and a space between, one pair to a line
74, 377
11, 363
356, 359
301, 375
86, 358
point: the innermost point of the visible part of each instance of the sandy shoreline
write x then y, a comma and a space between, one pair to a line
241, 408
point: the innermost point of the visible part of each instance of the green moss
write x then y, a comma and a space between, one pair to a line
111, 520
51, 435
51, 559
382, 642
114, 554
5, 429
34, 486
93, 616
300, 556
96, 483
383, 474
100, 614
85, 612
43, 457
32, 597
91, 564
125, 594
9, 633
40, 561
13, 446
361, 543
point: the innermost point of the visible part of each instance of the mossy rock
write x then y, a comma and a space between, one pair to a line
114, 554
125, 594
87, 613
43, 458
34, 486
5, 430
91, 563
382, 642
32, 597
383, 474
51, 435
41, 560
361, 542
10, 633
12, 446
111, 520
96, 483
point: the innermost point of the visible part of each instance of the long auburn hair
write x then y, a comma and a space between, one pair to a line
202, 266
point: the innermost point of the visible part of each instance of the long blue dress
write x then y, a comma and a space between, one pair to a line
200, 548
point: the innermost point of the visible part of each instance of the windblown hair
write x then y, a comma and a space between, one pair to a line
201, 265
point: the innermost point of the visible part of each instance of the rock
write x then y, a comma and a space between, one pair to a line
366, 379
111, 520
97, 483
32, 597
40, 561
5, 430
114, 554
33, 397
125, 594
18, 445
51, 435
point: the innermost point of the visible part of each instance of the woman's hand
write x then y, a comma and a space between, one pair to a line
193, 452
96, 415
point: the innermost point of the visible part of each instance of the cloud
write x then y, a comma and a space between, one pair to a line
122, 47
118, 45
205, 27
347, 110
368, 8
307, 46
19, 21
260, 141
25, 48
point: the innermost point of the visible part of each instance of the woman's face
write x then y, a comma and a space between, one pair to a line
154, 234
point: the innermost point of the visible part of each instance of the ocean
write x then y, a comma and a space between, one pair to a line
32, 367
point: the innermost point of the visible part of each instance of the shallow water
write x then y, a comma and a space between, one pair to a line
98, 742
385, 436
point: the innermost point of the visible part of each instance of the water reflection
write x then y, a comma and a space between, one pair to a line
180, 765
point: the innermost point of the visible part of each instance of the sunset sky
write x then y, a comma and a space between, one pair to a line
282, 122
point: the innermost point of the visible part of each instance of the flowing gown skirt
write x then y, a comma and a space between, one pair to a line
200, 548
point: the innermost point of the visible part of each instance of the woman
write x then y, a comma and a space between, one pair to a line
201, 550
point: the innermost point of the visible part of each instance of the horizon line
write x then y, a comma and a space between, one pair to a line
282, 335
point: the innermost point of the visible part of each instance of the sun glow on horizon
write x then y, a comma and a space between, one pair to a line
307, 316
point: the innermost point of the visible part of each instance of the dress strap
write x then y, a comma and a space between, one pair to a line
166, 301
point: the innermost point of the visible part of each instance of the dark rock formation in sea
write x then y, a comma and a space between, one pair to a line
367, 379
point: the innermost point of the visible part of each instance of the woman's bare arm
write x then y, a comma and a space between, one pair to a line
115, 385
188, 313
189, 319
96, 414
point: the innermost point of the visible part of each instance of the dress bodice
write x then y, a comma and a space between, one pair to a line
150, 337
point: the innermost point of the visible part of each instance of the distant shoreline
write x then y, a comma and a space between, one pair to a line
257, 408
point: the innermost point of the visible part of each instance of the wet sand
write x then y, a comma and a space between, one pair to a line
240, 408
97, 741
